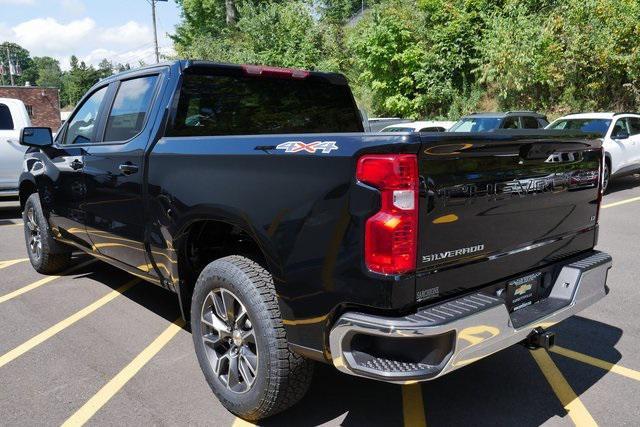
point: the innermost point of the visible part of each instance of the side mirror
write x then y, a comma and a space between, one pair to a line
621, 135
36, 137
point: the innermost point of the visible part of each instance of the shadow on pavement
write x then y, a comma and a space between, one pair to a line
9, 212
504, 389
623, 183
509, 388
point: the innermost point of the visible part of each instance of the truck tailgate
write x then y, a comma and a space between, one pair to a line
495, 206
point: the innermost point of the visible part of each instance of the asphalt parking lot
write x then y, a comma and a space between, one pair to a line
96, 346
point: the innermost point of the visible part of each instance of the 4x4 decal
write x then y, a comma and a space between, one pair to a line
325, 147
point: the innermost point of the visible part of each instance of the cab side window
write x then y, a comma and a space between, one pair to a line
81, 128
512, 122
530, 122
130, 108
621, 126
634, 125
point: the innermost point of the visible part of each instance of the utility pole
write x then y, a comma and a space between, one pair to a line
155, 31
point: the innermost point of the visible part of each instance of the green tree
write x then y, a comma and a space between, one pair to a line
282, 34
20, 56
49, 72
207, 20
77, 81
105, 68
341, 11
575, 55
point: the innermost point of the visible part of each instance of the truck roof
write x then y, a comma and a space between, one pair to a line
185, 64
11, 101
594, 115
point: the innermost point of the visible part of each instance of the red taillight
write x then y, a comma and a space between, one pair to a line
257, 70
390, 242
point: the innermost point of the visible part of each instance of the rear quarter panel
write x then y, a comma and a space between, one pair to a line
305, 211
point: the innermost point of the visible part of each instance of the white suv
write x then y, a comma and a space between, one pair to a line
621, 139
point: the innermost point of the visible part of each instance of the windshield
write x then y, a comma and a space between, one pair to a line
398, 129
476, 124
599, 126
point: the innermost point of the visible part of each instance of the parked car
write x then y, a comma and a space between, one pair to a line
427, 126
13, 117
488, 122
291, 236
376, 124
621, 139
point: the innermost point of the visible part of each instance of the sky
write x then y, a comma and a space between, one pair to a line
118, 30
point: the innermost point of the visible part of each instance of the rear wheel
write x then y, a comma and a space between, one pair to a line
241, 343
46, 255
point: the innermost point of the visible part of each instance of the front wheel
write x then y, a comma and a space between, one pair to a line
47, 256
241, 343
606, 177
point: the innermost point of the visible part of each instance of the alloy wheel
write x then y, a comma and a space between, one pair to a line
34, 236
229, 340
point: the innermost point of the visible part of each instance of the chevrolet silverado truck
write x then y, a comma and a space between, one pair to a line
292, 237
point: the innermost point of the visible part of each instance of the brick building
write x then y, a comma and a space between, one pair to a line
43, 103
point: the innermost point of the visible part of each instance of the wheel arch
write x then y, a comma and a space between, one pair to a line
27, 188
205, 237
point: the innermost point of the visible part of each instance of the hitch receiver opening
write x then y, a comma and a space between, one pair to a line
539, 338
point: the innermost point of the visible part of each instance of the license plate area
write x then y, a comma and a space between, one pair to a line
524, 291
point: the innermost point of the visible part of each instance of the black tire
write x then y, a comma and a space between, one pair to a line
606, 178
47, 256
282, 377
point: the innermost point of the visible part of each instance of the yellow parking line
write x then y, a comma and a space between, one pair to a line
571, 402
599, 363
93, 405
622, 202
12, 225
413, 406
239, 422
9, 263
48, 333
43, 281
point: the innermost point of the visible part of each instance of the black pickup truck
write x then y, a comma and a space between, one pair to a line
291, 236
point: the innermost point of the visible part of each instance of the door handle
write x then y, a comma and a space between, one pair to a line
128, 168
76, 165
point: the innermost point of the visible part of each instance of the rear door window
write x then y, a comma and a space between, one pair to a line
511, 122
130, 108
530, 122
218, 104
621, 126
6, 121
634, 126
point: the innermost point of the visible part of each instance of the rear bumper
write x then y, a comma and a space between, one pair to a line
442, 338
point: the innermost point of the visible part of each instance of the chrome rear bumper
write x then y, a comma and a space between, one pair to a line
459, 332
